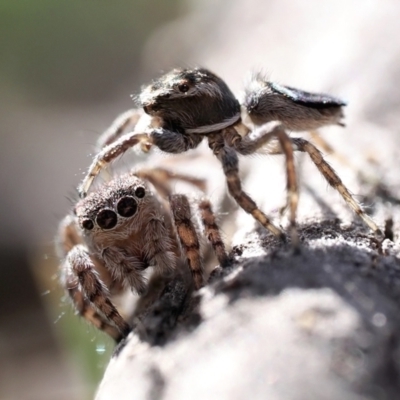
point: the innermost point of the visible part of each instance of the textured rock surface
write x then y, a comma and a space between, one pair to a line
323, 324
320, 325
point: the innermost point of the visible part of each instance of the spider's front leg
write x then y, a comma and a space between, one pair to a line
230, 164
68, 239
109, 154
89, 293
165, 140
127, 119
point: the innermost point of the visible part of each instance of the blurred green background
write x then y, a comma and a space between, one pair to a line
67, 68
77, 50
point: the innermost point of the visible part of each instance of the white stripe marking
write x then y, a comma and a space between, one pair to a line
215, 127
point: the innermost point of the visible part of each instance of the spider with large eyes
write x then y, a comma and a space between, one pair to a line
185, 106
119, 230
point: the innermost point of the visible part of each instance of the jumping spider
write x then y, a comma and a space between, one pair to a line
121, 229
187, 105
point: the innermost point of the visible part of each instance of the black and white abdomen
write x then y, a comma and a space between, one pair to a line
296, 109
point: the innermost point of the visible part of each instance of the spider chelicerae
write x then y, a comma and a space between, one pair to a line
123, 227
186, 106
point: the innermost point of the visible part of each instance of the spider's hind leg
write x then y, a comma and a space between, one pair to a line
334, 180
320, 142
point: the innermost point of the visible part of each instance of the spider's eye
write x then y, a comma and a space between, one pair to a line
106, 219
127, 207
87, 224
183, 87
140, 192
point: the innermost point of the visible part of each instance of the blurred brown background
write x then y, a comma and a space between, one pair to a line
68, 68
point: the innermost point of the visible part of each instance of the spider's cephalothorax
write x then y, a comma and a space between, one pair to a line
116, 211
121, 229
191, 101
185, 106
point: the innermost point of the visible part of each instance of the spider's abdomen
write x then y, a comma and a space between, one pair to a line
296, 109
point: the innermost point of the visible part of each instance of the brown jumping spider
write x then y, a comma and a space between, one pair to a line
187, 105
121, 229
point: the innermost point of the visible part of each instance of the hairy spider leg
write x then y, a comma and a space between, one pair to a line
230, 165
180, 208
110, 153
333, 179
249, 145
165, 140
84, 287
212, 232
127, 119
160, 178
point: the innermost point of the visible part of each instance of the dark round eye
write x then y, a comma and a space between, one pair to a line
127, 206
106, 219
183, 88
87, 224
140, 192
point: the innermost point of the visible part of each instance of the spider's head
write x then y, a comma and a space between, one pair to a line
191, 98
112, 207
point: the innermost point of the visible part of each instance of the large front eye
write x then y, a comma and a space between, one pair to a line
127, 207
106, 219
